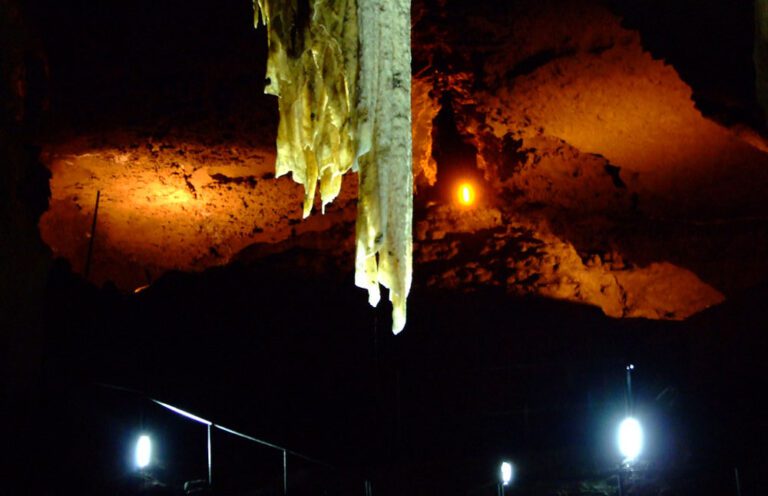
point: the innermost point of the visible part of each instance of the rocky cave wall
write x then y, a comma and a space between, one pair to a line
24, 258
599, 179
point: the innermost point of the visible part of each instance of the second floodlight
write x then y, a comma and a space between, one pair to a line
630, 439
143, 451
506, 473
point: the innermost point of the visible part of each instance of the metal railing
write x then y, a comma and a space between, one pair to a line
365, 484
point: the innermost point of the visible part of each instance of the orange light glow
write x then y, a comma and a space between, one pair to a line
466, 194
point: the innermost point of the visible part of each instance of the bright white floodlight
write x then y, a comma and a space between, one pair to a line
506, 473
143, 451
630, 439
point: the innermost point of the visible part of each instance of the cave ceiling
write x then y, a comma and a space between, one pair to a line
598, 179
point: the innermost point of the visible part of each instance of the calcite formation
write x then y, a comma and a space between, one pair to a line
342, 72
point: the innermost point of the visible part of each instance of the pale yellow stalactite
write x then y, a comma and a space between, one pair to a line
312, 69
342, 72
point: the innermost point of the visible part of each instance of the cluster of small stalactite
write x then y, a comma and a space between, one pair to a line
342, 72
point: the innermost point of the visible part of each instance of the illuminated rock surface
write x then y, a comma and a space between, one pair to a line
172, 205
603, 183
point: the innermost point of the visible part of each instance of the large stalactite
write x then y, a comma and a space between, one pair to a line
342, 72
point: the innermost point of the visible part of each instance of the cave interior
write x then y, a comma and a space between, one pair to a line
589, 181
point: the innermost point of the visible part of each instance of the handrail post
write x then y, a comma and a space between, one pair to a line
285, 472
210, 459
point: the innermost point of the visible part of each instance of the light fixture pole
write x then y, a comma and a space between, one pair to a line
630, 401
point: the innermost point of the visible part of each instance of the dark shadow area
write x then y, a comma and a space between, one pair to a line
303, 361
159, 66
456, 157
710, 44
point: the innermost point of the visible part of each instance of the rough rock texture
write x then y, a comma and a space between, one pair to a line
172, 203
600, 182
424, 110
589, 139
519, 253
